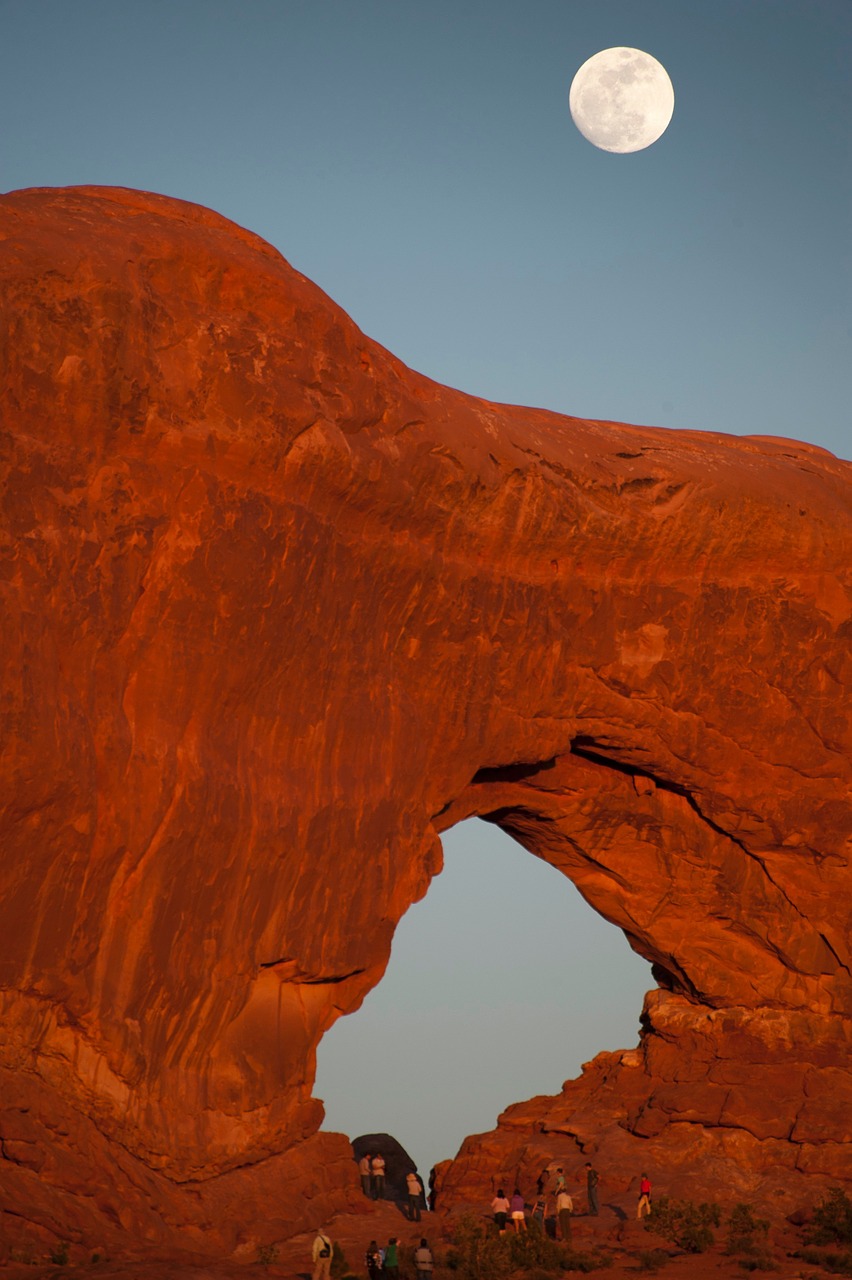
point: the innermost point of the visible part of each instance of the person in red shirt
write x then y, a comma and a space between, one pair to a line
644, 1202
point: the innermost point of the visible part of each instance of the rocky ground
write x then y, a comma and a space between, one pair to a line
615, 1235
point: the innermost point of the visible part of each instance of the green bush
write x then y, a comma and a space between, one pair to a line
838, 1263
687, 1225
832, 1221
476, 1253
267, 1254
746, 1233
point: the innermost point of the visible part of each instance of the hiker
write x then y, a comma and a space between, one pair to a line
500, 1208
423, 1261
559, 1182
519, 1220
644, 1201
564, 1209
415, 1191
592, 1180
364, 1170
373, 1259
321, 1255
392, 1259
377, 1176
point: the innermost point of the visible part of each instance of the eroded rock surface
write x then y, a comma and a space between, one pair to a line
277, 611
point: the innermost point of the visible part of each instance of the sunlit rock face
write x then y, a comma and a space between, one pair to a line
277, 611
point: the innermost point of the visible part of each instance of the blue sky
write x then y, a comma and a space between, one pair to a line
416, 158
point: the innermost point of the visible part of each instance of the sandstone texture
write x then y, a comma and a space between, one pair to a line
276, 612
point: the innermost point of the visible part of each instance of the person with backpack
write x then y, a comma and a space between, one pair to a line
321, 1255
423, 1261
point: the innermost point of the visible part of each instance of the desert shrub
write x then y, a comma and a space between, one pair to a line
533, 1249
476, 1253
267, 1254
838, 1263
339, 1265
832, 1220
584, 1262
652, 1259
746, 1233
685, 1224
23, 1254
59, 1254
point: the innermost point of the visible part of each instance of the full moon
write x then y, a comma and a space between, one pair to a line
622, 100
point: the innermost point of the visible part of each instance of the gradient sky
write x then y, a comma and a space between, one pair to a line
417, 159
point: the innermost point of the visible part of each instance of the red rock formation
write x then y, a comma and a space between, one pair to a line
277, 611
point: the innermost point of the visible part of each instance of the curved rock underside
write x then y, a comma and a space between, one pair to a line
276, 612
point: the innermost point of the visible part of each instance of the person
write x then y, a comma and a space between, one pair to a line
364, 1170
321, 1254
519, 1221
392, 1258
542, 1181
500, 1208
377, 1176
415, 1191
559, 1181
644, 1196
564, 1209
423, 1261
592, 1180
373, 1259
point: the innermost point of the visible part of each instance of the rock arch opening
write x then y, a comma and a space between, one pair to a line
501, 983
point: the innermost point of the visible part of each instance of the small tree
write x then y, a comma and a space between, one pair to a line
832, 1221
745, 1232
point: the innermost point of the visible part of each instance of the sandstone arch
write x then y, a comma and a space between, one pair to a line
278, 611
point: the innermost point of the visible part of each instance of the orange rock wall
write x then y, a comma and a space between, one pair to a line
277, 612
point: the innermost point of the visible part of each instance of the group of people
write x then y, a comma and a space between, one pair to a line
385, 1262
372, 1171
552, 1186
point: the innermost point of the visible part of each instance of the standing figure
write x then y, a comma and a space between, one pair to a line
423, 1261
377, 1176
500, 1208
321, 1255
373, 1259
592, 1180
364, 1170
644, 1202
519, 1218
564, 1209
415, 1191
392, 1259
